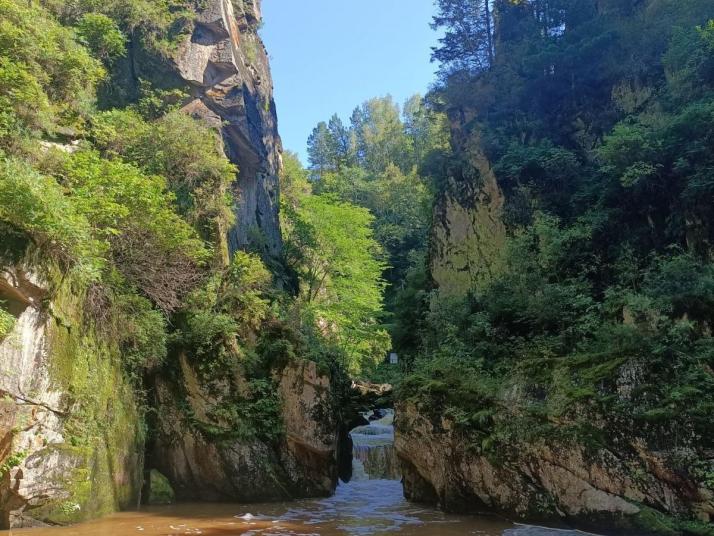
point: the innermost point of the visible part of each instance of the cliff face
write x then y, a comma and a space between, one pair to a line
224, 66
70, 434
468, 233
204, 460
541, 481
72, 443
631, 484
227, 66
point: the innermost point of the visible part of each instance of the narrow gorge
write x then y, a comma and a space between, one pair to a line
487, 310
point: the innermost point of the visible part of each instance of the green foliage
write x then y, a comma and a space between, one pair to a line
47, 79
335, 255
383, 162
7, 321
184, 151
37, 205
234, 340
159, 24
117, 198
102, 36
224, 316
14, 460
602, 312
141, 334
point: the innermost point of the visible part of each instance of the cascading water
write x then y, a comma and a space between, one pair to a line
373, 454
372, 504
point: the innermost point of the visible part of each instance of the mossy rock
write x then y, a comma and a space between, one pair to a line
161, 490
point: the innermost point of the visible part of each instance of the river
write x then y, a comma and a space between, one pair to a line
371, 504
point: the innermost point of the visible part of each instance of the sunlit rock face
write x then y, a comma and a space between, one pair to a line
374, 457
468, 231
70, 441
226, 65
542, 481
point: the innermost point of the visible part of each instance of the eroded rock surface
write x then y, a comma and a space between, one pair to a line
200, 466
540, 481
57, 464
226, 65
468, 233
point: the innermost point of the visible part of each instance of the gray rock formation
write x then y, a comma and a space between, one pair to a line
226, 65
69, 428
301, 463
540, 481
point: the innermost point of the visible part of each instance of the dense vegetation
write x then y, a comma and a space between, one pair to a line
385, 161
122, 203
597, 119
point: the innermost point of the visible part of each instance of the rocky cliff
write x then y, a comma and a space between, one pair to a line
70, 428
468, 234
72, 421
221, 63
207, 458
600, 489
485, 458
226, 66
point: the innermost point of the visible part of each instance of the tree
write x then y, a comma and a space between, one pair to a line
330, 245
380, 136
427, 130
468, 41
344, 143
321, 150
342, 278
102, 36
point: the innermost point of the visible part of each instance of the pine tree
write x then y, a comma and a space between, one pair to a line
321, 150
468, 43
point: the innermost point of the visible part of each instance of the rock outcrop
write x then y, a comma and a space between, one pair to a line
541, 481
70, 440
300, 461
226, 66
468, 234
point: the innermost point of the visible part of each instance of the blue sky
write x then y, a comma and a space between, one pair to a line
329, 56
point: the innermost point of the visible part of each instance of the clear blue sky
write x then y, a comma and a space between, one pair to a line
328, 56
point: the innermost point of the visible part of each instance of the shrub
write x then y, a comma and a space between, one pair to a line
37, 205
151, 245
184, 151
102, 35
141, 332
7, 321
46, 77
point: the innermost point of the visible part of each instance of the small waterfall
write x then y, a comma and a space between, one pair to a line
373, 454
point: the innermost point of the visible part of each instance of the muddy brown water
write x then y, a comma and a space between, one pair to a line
361, 508
369, 505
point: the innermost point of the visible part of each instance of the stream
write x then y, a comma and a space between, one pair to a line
372, 503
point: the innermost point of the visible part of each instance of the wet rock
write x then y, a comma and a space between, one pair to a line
302, 463
541, 481
160, 488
